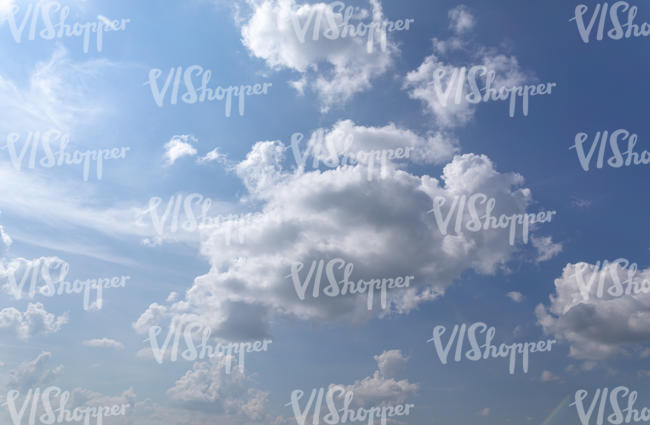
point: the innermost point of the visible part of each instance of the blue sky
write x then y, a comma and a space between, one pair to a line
239, 285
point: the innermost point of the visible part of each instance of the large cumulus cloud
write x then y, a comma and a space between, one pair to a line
380, 225
589, 311
334, 69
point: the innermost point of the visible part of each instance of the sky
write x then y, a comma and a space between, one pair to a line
319, 154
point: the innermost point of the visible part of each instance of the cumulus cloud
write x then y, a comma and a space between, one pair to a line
437, 80
35, 320
379, 388
382, 227
372, 391
391, 363
483, 412
104, 343
336, 69
178, 147
545, 247
347, 139
515, 296
208, 387
262, 168
33, 373
548, 376
590, 310
461, 19
435, 77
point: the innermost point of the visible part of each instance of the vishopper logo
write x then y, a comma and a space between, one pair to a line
190, 213
345, 156
478, 76
618, 397
618, 30
53, 16
346, 285
617, 160
338, 26
180, 213
632, 285
200, 93
189, 330
59, 415
343, 414
489, 222
54, 144
52, 272
484, 351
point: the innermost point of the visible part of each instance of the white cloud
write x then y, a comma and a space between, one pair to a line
5, 241
391, 363
580, 203
461, 20
379, 388
61, 203
422, 85
178, 147
213, 155
243, 403
346, 138
172, 296
208, 387
483, 412
154, 314
56, 95
335, 69
33, 373
299, 85
596, 327
23, 278
6, 7
104, 343
548, 376
589, 366
515, 296
381, 226
262, 169
32, 196
35, 320
545, 247
85, 397
148, 412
